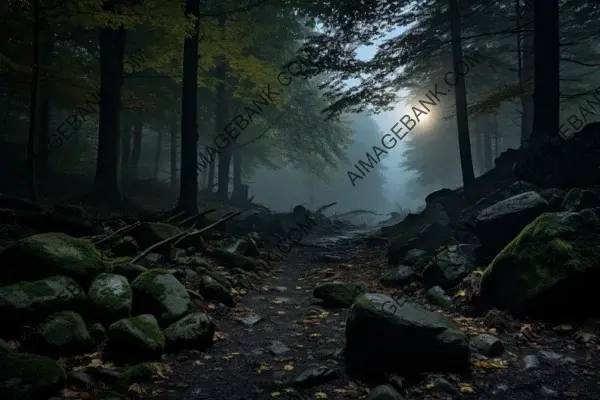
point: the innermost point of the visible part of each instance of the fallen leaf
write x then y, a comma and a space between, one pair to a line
288, 367
137, 388
460, 293
234, 291
563, 327
218, 336
490, 364
281, 312
466, 388
320, 395
211, 306
276, 301
430, 385
242, 292
314, 334
231, 355
298, 287
275, 394
263, 367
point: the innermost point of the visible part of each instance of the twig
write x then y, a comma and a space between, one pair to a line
118, 231
324, 207
199, 215
174, 217
209, 227
161, 243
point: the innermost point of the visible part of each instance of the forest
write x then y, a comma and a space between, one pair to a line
299, 199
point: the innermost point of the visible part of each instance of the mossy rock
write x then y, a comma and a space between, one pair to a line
48, 254
149, 233
111, 297
339, 295
30, 377
235, 260
383, 335
220, 277
61, 334
212, 290
135, 339
551, 267
194, 331
30, 302
159, 293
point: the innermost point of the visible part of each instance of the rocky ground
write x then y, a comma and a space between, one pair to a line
486, 296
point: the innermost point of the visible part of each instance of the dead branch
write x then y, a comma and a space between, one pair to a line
357, 212
117, 232
174, 217
219, 222
324, 207
161, 243
197, 216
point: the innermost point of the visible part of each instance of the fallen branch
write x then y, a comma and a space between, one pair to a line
226, 218
198, 216
161, 243
174, 217
117, 232
357, 212
324, 207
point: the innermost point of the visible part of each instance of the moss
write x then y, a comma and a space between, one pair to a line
29, 376
36, 289
117, 260
141, 326
142, 372
545, 252
148, 282
67, 320
109, 296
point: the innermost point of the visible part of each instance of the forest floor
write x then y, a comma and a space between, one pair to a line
276, 356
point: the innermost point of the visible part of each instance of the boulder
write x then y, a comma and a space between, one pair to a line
339, 295
48, 254
385, 336
194, 331
30, 302
212, 290
428, 239
30, 377
450, 266
551, 267
400, 276
61, 334
159, 293
149, 233
578, 199
497, 225
135, 339
110, 297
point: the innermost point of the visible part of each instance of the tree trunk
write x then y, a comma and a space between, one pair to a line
462, 117
238, 195
126, 154
157, 154
526, 77
173, 159
188, 182
136, 149
46, 51
33, 105
210, 184
478, 145
487, 145
112, 52
222, 118
546, 73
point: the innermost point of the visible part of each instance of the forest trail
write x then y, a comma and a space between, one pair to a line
258, 359
296, 349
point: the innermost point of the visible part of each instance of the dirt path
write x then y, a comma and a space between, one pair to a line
294, 333
251, 362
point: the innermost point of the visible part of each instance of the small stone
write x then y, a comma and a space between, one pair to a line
278, 348
488, 345
384, 392
530, 362
436, 295
249, 320
545, 391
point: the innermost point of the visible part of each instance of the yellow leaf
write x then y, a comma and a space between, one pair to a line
242, 292
314, 334
320, 395
338, 390
461, 293
289, 390
266, 289
230, 356
324, 314
429, 385
263, 367
466, 388
491, 364
288, 367
281, 312
234, 291
276, 301
275, 394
